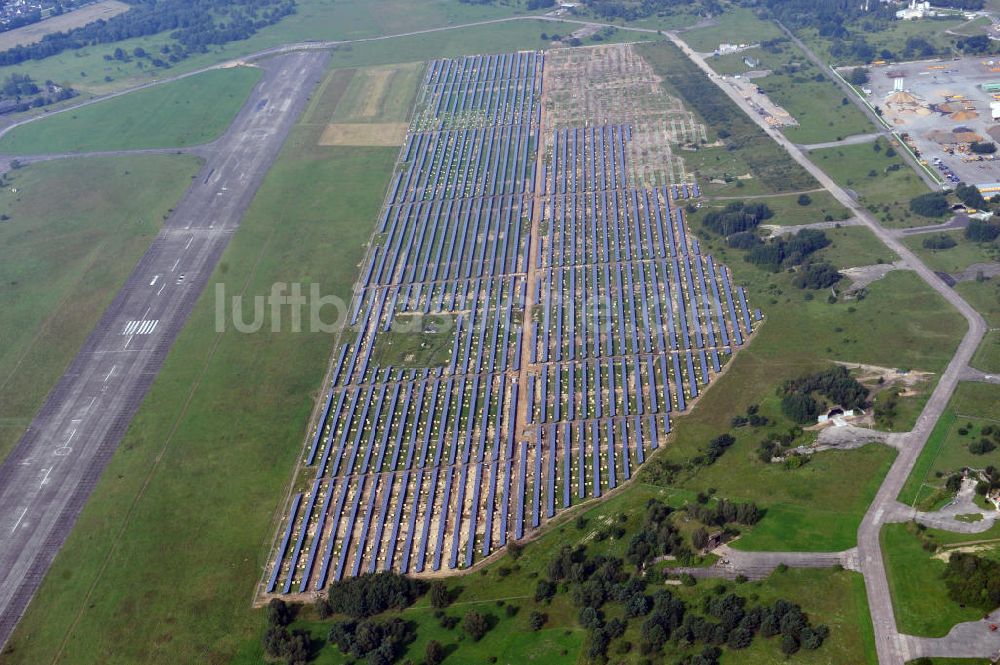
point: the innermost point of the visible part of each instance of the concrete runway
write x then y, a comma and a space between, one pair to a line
48, 477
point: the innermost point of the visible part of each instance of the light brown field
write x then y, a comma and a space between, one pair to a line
380, 94
364, 134
30, 34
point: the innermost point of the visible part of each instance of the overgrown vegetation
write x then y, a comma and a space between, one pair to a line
973, 580
939, 241
981, 231
19, 92
836, 384
934, 204
768, 162
371, 593
193, 28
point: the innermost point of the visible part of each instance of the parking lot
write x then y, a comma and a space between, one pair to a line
942, 107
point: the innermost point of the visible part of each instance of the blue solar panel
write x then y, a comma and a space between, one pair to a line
283, 546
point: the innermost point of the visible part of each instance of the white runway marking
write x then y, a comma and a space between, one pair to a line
140, 327
110, 373
18, 522
45, 478
190, 240
175, 265
155, 280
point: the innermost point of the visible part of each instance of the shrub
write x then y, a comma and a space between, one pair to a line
981, 447
475, 625
939, 241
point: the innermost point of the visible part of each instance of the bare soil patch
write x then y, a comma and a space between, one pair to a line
364, 134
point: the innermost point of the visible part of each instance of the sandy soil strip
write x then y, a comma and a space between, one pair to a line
30, 34
364, 134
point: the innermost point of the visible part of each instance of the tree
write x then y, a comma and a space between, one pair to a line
544, 590
804, 199
372, 593
590, 619
789, 645
858, 76
970, 195
983, 148
536, 620
981, 447
699, 538
434, 653
440, 596
475, 625
981, 231
799, 407
819, 275
933, 204
939, 241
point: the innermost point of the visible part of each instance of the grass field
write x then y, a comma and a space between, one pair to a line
380, 94
919, 596
891, 36
29, 34
787, 211
987, 357
741, 148
207, 459
985, 297
972, 407
883, 184
800, 88
737, 26
957, 258
224, 422
59, 271
85, 69
836, 598
187, 112
819, 505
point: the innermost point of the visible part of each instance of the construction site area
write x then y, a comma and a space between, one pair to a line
947, 111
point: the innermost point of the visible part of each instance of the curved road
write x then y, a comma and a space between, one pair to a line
892, 647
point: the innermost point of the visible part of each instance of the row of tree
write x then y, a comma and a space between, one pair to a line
194, 26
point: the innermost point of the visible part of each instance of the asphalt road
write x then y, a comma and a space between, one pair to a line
892, 647
758, 565
48, 477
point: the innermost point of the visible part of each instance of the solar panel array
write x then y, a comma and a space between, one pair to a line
427, 468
